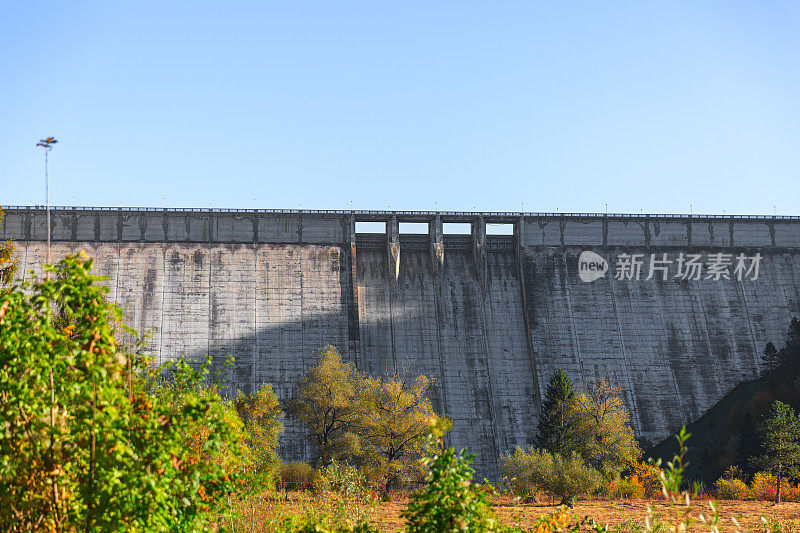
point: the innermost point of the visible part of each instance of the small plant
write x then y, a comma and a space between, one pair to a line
344, 480
450, 501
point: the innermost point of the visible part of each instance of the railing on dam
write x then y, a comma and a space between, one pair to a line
388, 213
286, 226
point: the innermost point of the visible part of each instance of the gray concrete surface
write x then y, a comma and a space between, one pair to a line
488, 317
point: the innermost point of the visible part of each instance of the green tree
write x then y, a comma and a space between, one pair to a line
8, 262
780, 443
85, 445
450, 501
393, 425
554, 419
603, 436
793, 338
260, 413
771, 357
326, 400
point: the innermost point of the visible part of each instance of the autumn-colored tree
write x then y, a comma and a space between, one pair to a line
393, 426
8, 262
260, 413
326, 401
604, 437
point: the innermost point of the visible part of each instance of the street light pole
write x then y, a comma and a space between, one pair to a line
47, 144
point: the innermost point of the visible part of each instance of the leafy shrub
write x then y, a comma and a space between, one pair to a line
259, 413
297, 475
626, 488
343, 479
86, 445
312, 525
650, 477
518, 471
530, 471
450, 501
791, 493
569, 477
731, 489
764, 486
601, 431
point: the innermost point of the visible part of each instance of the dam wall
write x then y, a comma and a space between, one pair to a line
488, 317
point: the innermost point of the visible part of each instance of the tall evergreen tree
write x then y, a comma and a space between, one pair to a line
554, 420
771, 357
780, 443
793, 338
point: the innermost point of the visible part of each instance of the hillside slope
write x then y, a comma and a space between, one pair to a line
727, 433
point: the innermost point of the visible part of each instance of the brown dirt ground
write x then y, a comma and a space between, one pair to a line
613, 512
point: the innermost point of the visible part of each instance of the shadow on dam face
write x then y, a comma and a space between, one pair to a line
491, 399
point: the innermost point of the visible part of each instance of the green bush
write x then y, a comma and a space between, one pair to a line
731, 489
86, 445
450, 501
516, 469
569, 477
297, 475
531, 471
626, 489
343, 479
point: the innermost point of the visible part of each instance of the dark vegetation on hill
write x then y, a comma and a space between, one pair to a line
727, 434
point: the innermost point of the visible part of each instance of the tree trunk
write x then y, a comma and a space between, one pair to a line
778, 491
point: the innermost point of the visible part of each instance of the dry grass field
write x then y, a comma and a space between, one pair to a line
617, 513
620, 515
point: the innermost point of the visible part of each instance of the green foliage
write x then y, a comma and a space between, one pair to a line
8, 262
84, 444
602, 434
313, 522
393, 426
450, 501
771, 357
554, 420
567, 477
377, 424
297, 475
731, 489
532, 471
345, 480
260, 412
626, 488
523, 471
327, 400
780, 434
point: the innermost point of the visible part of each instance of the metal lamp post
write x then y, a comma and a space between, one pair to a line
47, 144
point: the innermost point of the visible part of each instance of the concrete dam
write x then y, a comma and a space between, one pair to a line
674, 309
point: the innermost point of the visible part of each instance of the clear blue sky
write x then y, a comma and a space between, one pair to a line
414, 105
